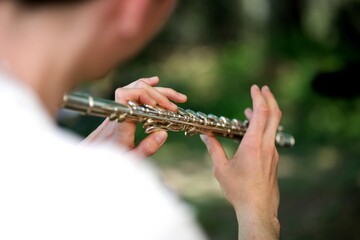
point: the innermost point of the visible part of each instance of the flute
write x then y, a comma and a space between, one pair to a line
156, 118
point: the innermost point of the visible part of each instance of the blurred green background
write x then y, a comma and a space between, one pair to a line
308, 52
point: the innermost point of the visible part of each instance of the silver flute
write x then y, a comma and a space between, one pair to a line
156, 118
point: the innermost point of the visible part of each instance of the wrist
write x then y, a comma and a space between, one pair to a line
254, 223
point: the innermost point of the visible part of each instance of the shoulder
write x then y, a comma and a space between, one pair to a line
97, 192
50, 186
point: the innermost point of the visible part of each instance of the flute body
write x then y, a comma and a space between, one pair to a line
156, 118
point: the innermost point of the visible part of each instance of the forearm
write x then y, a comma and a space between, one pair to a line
257, 225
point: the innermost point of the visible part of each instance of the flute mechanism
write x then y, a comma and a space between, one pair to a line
156, 118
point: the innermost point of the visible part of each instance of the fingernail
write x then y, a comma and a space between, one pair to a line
266, 88
161, 137
173, 106
182, 95
155, 78
256, 87
204, 138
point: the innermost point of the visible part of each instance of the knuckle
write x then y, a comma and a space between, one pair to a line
162, 99
263, 110
131, 145
253, 149
171, 91
217, 172
141, 83
118, 93
270, 150
276, 156
146, 98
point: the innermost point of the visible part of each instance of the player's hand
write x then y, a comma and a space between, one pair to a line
142, 91
249, 178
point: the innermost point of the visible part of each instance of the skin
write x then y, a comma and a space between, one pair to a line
123, 134
249, 179
51, 50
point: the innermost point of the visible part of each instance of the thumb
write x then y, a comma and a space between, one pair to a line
215, 150
151, 144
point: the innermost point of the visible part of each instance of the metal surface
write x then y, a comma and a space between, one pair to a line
155, 118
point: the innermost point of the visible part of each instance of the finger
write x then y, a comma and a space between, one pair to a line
152, 81
274, 115
148, 96
159, 98
123, 95
260, 113
160, 95
248, 113
215, 150
151, 144
275, 165
172, 94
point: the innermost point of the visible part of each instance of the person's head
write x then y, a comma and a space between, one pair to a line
98, 33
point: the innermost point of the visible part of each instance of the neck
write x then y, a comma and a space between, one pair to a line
36, 52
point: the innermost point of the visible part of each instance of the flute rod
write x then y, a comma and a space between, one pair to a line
155, 118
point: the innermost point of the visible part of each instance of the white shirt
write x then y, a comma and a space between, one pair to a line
51, 188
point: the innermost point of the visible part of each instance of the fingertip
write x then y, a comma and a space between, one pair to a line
215, 150
255, 87
182, 97
269, 96
151, 144
204, 138
254, 90
153, 80
208, 140
248, 113
266, 91
248, 110
172, 107
265, 88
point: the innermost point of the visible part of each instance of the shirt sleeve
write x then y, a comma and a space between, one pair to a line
88, 194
